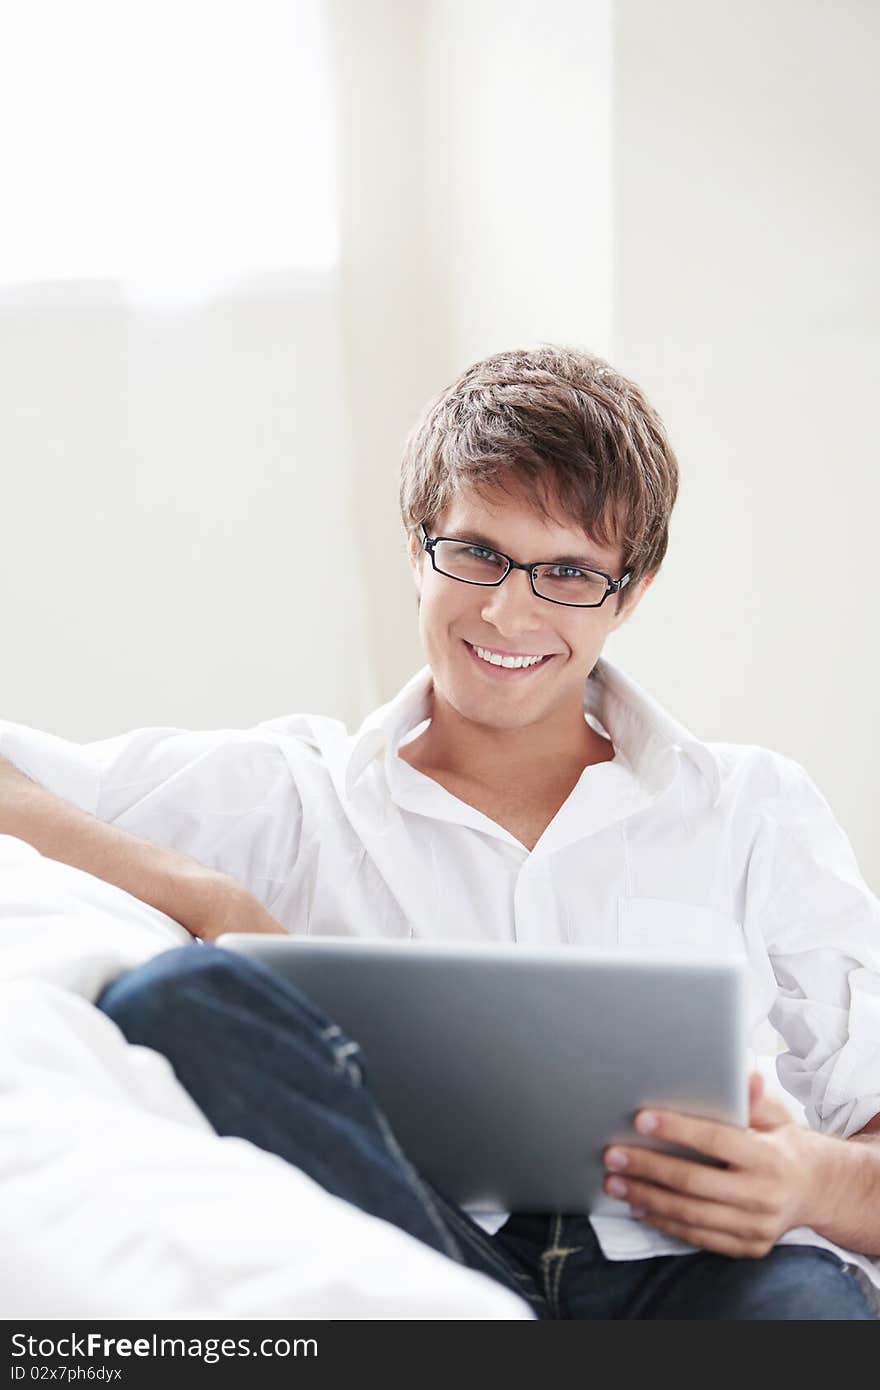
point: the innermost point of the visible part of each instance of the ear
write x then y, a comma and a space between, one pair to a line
633, 601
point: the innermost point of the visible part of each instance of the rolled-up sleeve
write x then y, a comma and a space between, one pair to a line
69, 770
225, 797
821, 924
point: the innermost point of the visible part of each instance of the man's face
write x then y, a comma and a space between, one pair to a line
456, 618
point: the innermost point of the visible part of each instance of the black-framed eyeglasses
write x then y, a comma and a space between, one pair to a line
571, 585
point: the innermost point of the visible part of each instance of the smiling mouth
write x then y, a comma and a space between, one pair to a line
509, 663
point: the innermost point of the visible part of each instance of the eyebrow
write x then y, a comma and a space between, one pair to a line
583, 561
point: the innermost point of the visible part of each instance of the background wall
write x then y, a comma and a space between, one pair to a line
162, 471
688, 189
747, 220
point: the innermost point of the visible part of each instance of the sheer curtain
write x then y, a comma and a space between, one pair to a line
177, 522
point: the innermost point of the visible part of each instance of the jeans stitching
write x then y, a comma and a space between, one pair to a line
450, 1245
560, 1265
552, 1276
547, 1257
343, 1054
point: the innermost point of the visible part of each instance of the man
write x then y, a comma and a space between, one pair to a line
521, 787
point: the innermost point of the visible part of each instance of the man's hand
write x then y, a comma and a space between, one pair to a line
769, 1184
209, 903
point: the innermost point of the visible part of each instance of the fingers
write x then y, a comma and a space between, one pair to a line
769, 1113
636, 1166
708, 1238
727, 1143
743, 1216
765, 1112
658, 1207
715, 1209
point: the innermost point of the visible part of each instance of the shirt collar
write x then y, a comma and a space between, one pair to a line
637, 724
641, 727
384, 730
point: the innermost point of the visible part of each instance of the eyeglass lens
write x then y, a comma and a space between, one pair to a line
477, 565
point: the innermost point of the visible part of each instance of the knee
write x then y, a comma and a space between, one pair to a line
192, 991
144, 998
795, 1282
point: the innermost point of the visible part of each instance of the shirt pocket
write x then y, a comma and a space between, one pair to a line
662, 924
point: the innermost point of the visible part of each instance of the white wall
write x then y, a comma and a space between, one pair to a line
519, 142
747, 222
162, 472
393, 300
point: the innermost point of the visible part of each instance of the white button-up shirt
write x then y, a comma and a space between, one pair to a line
675, 843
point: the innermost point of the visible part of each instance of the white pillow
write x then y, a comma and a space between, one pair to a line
118, 1197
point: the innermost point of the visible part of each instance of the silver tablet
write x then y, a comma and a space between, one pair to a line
506, 1069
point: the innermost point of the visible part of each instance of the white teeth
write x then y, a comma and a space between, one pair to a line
510, 661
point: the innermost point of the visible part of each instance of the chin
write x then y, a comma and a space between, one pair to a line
493, 709
490, 716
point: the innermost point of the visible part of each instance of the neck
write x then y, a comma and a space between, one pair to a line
493, 757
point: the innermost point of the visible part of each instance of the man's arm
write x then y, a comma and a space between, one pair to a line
848, 1191
201, 899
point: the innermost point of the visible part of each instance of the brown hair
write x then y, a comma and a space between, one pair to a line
564, 424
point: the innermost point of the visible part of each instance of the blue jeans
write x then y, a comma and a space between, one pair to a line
264, 1063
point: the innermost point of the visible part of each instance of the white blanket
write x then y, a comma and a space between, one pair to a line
117, 1199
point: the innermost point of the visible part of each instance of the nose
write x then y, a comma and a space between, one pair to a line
510, 606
